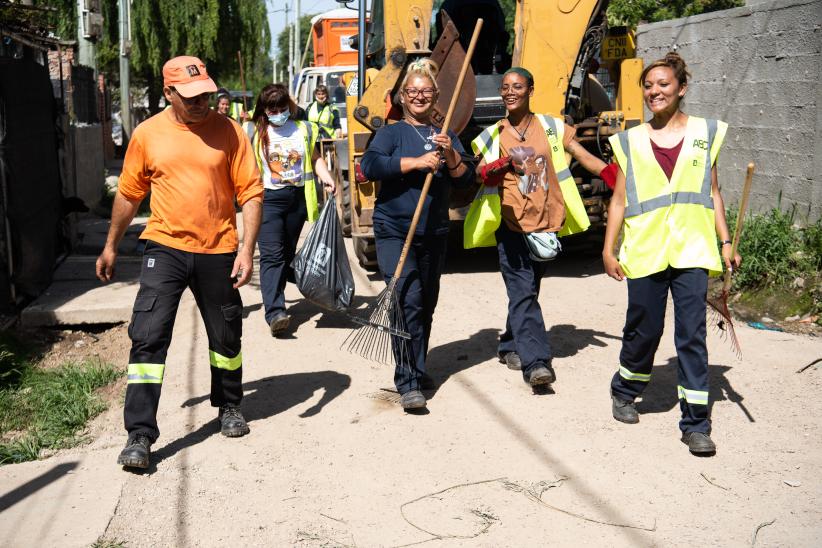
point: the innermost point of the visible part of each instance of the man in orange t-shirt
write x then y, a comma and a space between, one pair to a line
195, 162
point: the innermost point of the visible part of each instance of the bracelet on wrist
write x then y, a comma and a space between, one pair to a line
725, 242
453, 168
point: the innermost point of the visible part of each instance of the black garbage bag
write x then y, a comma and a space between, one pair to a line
321, 267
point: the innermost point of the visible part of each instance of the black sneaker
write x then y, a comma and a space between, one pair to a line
136, 452
232, 423
412, 400
279, 323
699, 443
511, 359
624, 410
540, 375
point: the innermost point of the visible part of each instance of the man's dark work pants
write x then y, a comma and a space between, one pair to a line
525, 328
417, 290
165, 274
284, 214
644, 322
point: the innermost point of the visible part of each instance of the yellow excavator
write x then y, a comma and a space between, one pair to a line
583, 71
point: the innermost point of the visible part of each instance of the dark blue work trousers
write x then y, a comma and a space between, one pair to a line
525, 328
417, 290
644, 323
284, 214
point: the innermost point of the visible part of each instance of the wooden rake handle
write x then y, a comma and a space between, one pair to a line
743, 207
430, 176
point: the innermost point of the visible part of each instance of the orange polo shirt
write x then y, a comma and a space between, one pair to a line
194, 173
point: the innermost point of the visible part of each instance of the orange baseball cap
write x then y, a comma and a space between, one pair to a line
188, 76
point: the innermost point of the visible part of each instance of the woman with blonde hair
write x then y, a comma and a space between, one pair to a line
400, 156
668, 206
288, 158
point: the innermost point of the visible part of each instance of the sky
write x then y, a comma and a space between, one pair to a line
276, 15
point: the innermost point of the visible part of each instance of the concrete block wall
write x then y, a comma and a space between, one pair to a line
757, 67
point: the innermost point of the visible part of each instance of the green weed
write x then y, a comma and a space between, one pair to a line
46, 408
776, 252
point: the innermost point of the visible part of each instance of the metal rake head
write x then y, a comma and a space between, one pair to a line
382, 336
722, 322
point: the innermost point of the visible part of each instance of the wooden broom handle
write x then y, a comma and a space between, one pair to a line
740, 216
430, 176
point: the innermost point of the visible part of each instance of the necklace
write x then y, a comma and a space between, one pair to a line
428, 145
524, 131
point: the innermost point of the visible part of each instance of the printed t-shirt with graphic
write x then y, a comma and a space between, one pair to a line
194, 173
283, 165
530, 197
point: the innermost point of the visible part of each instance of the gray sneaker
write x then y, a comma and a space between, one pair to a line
699, 443
624, 410
511, 359
412, 400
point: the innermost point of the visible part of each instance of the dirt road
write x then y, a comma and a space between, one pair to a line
333, 461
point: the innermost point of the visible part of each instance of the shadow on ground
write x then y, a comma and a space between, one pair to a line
661, 394
265, 398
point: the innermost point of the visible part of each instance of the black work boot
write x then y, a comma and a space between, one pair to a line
232, 422
699, 443
542, 374
279, 324
136, 452
624, 410
511, 360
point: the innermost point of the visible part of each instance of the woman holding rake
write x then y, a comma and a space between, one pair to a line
524, 158
668, 205
400, 156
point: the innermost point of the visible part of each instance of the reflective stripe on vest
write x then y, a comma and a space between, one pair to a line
322, 117
309, 141
487, 144
634, 207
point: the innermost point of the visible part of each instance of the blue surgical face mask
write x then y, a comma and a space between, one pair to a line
279, 119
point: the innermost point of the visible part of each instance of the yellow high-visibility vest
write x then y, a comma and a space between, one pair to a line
669, 223
323, 117
309, 132
576, 219
235, 111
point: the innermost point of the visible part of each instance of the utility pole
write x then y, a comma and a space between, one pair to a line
125, 77
297, 55
290, 51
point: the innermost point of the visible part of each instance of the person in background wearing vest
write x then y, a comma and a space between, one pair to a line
668, 205
195, 163
288, 159
323, 113
400, 156
523, 156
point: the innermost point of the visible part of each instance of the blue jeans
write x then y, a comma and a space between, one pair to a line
284, 214
417, 289
524, 328
644, 322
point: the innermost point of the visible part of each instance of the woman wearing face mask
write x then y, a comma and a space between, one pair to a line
668, 206
523, 156
288, 160
400, 156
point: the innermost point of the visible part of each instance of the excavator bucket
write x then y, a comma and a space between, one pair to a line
449, 56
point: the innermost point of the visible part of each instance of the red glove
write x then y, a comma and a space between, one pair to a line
492, 174
358, 174
609, 174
